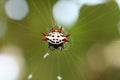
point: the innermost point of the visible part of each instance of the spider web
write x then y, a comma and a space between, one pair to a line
55, 58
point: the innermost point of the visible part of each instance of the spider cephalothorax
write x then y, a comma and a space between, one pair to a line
56, 38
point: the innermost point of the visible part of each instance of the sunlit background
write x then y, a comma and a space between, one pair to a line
93, 50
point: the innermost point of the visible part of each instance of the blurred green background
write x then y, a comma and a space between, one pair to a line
84, 58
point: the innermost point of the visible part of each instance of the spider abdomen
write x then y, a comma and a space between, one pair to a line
56, 38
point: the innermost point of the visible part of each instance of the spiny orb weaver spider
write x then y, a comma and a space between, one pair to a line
56, 39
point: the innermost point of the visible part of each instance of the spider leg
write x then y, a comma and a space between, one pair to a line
62, 46
50, 47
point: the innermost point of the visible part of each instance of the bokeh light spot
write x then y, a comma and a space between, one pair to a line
66, 12
16, 9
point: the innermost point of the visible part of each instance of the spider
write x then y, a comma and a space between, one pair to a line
56, 39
